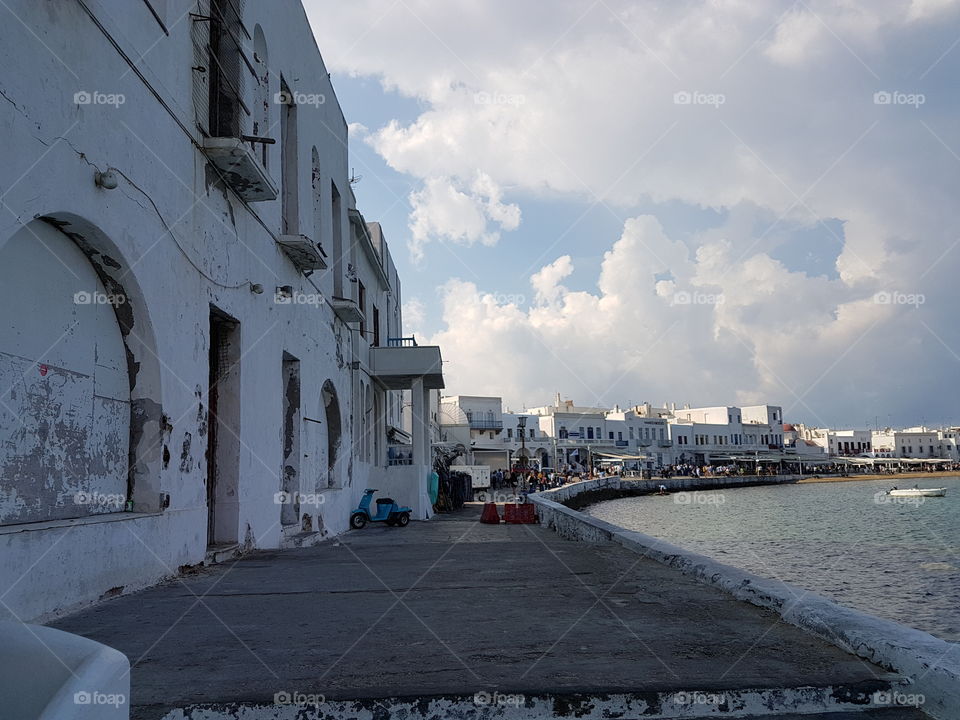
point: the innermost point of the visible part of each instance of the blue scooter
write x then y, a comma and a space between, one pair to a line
387, 511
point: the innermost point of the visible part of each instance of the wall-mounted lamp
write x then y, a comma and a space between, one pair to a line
256, 288
106, 179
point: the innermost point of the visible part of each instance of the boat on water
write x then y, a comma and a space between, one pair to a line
917, 492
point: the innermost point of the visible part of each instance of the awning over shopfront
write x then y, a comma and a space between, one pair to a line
889, 461
749, 458
614, 455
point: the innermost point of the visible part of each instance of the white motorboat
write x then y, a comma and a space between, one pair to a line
917, 492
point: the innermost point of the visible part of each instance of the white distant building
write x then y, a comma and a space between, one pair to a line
582, 432
486, 435
910, 443
916, 442
712, 434
950, 443
558, 436
849, 442
796, 441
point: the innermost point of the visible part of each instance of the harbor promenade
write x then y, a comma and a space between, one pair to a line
456, 614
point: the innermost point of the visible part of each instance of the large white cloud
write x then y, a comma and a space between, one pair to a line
729, 330
441, 210
767, 111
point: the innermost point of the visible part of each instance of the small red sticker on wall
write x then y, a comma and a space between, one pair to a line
43, 370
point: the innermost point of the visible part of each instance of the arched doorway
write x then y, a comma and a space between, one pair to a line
331, 407
543, 458
65, 403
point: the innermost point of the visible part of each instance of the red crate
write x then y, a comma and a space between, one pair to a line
520, 514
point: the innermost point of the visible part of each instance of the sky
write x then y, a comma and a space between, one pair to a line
713, 202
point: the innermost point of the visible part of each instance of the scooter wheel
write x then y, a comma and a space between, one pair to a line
403, 519
358, 521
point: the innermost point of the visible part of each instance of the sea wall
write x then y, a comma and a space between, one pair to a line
932, 665
578, 497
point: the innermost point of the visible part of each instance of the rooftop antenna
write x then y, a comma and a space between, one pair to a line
354, 178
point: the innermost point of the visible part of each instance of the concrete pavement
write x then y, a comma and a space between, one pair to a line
449, 608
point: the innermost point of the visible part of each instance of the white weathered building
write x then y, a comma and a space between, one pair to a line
704, 435
916, 442
796, 440
202, 345
529, 443
849, 442
950, 443
488, 435
920, 442
564, 434
558, 436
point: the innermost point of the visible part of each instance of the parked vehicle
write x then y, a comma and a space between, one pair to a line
387, 511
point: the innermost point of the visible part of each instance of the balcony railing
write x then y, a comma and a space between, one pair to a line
399, 455
402, 342
478, 424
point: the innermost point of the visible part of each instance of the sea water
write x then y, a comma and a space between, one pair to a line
897, 558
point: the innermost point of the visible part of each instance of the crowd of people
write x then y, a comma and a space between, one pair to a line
730, 470
521, 479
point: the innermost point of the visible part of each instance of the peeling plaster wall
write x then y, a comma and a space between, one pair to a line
175, 242
64, 421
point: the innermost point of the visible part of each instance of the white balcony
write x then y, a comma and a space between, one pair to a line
346, 309
303, 252
397, 367
240, 168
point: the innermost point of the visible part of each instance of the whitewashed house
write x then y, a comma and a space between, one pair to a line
201, 349
916, 442
713, 434
949, 443
475, 424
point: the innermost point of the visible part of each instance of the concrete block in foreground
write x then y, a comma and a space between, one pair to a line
48, 674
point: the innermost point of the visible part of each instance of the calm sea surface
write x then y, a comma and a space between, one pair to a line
898, 560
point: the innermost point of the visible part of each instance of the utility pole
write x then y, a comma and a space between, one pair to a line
521, 428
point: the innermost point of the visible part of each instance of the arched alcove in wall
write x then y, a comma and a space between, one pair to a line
261, 94
334, 439
80, 412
